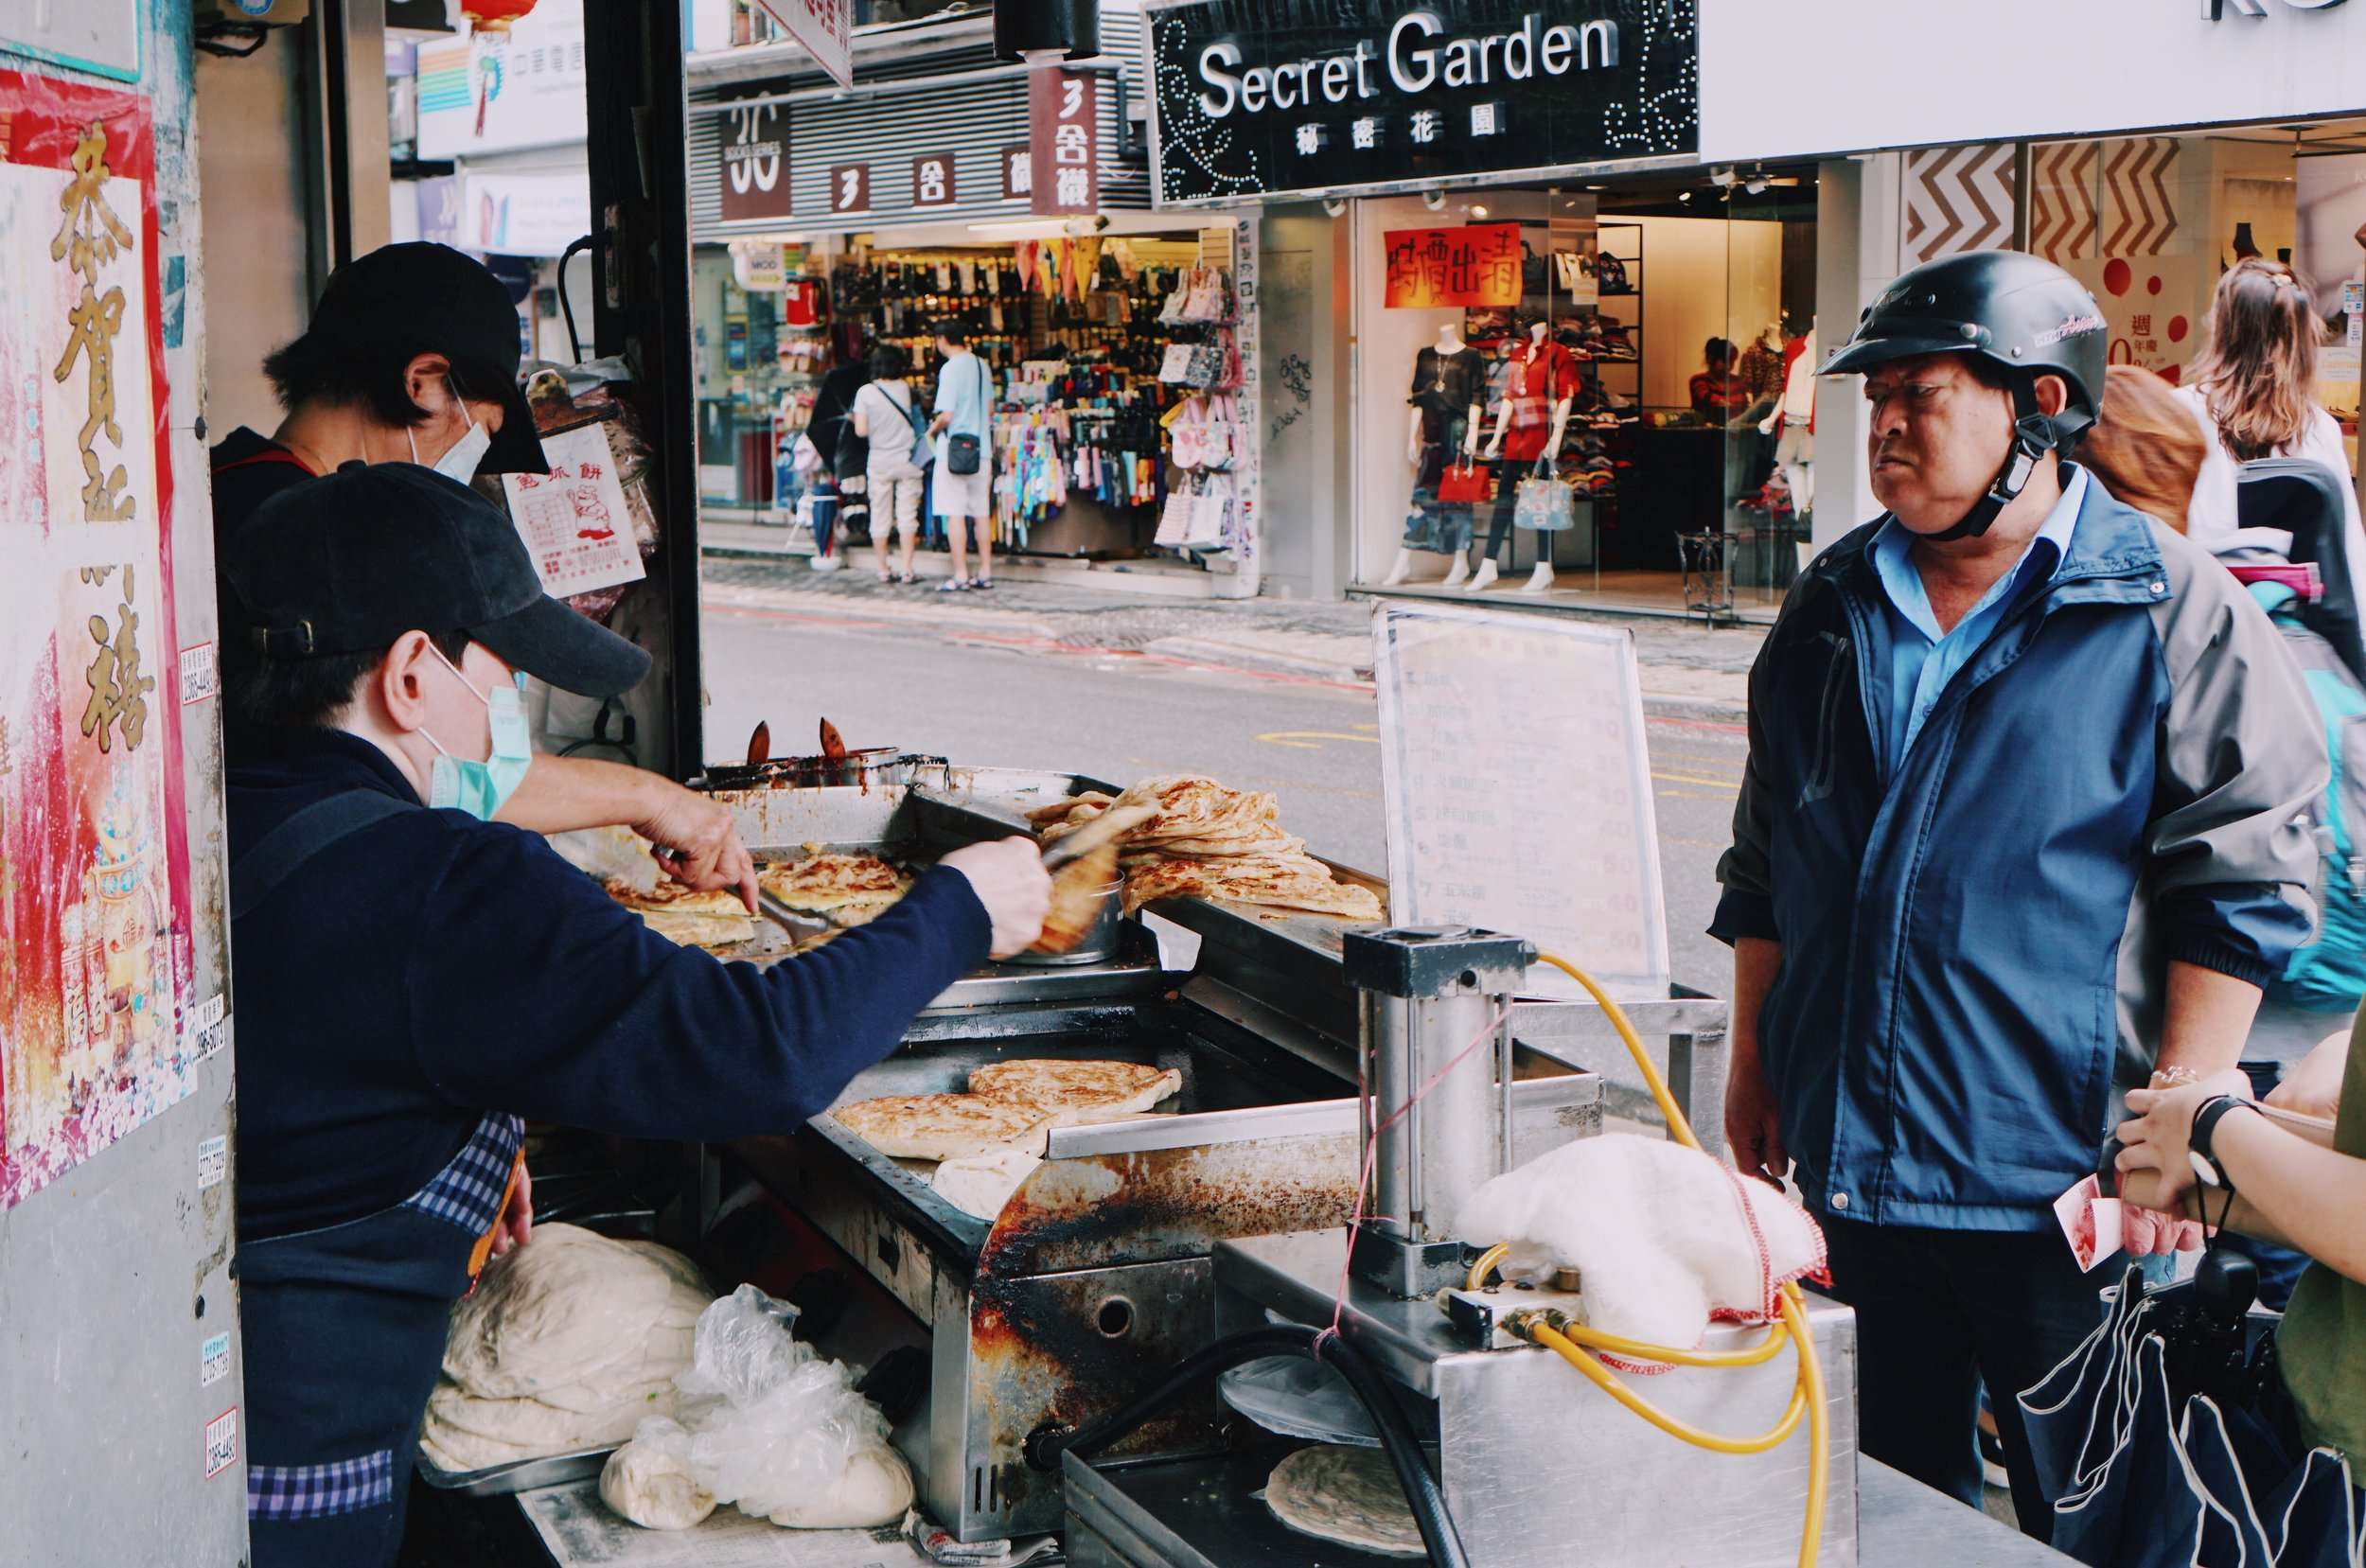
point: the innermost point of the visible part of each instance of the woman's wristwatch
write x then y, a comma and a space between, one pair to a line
2198, 1150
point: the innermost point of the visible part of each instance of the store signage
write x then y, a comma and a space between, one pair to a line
2213, 9
501, 92
825, 27
755, 163
932, 181
1064, 131
1475, 266
1304, 95
850, 187
1018, 173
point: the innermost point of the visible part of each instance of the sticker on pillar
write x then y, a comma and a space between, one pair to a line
222, 1442
198, 678
213, 1161
212, 1034
213, 1361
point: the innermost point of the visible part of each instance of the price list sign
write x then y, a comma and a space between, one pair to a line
1518, 792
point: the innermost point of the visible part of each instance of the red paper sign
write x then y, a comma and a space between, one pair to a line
1477, 265
1064, 136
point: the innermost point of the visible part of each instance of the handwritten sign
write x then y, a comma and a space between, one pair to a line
1518, 791
574, 517
1475, 266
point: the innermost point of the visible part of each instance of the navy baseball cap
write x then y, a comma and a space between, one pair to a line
422, 292
348, 562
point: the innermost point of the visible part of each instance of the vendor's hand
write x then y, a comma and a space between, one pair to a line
516, 1226
2160, 1138
2312, 1085
1493, 447
1753, 1132
1009, 879
1766, 427
697, 841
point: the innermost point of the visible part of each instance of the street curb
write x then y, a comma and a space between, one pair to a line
1234, 656
954, 617
1696, 710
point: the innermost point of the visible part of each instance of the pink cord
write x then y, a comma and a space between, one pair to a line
1371, 1152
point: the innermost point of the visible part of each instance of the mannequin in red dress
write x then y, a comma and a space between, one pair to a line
1529, 425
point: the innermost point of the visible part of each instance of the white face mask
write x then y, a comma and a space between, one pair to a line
461, 462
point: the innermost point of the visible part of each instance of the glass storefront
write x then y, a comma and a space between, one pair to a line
1657, 322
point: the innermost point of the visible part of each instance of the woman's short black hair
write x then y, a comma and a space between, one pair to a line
1716, 348
889, 362
953, 331
309, 694
336, 371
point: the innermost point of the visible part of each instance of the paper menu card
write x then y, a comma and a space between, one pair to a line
1518, 789
574, 517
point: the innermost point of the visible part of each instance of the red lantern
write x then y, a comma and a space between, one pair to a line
494, 16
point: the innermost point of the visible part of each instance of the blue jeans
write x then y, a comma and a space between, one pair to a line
1938, 1312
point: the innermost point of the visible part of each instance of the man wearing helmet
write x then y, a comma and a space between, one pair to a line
2024, 794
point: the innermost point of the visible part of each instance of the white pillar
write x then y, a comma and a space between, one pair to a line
1858, 252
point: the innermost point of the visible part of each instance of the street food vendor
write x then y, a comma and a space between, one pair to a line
412, 356
412, 981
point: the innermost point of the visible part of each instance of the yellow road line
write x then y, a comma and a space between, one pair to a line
1732, 786
1308, 740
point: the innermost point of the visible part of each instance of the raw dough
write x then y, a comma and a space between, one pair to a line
982, 1184
943, 1126
876, 1487
1077, 1094
565, 1345
1350, 1495
648, 1480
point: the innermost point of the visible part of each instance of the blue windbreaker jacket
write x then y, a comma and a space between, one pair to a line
2113, 780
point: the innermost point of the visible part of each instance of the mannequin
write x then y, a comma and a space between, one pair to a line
1543, 375
1793, 423
1442, 415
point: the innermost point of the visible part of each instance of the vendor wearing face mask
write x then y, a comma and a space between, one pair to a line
412, 356
411, 981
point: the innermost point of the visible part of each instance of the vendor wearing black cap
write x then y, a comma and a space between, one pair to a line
412, 356
411, 980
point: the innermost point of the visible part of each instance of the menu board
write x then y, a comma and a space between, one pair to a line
1518, 790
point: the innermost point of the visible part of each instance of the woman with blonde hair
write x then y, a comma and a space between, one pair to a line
2144, 447
2254, 390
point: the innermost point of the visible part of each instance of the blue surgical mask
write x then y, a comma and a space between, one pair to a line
461, 462
479, 788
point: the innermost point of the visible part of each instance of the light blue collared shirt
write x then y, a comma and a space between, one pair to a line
1922, 659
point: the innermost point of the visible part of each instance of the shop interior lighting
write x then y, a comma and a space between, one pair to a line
1433, 199
1335, 205
1723, 177
1040, 228
1478, 209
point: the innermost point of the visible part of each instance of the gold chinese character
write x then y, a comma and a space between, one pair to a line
90, 237
117, 690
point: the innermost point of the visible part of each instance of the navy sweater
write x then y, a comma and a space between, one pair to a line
432, 968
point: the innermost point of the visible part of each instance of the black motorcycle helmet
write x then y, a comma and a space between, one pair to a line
2022, 315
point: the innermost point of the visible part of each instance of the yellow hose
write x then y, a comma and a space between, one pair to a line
1808, 1397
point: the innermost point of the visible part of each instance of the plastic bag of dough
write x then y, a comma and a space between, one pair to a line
649, 1479
779, 1430
1663, 1237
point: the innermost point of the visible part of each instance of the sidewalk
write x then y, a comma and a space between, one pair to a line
1689, 671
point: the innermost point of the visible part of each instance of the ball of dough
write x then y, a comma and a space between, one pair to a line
648, 1480
876, 1487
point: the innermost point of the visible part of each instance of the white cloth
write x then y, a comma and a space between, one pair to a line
1663, 1237
2213, 515
953, 494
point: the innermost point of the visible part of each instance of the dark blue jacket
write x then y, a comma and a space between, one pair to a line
432, 968
2113, 780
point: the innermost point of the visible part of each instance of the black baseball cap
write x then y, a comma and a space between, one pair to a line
350, 561
422, 292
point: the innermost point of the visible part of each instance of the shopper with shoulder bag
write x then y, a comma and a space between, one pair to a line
963, 491
884, 416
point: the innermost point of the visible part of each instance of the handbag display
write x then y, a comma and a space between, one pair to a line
1465, 484
1542, 501
1211, 514
1175, 516
1189, 435
1175, 364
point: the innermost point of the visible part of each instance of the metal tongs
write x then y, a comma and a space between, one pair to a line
1103, 829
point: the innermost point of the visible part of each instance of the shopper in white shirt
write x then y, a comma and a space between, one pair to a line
896, 472
2254, 390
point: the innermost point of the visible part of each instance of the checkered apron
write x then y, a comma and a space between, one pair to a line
343, 1337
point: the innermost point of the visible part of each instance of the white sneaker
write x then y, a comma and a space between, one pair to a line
1483, 578
1541, 580
1460, 574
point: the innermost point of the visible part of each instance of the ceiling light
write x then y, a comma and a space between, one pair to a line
1478, 209
1684, 196
1433, 199
1723, 177
1335, 205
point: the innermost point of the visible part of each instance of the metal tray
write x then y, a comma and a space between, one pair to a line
518, 1474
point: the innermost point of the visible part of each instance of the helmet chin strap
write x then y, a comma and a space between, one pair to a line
2034, 436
